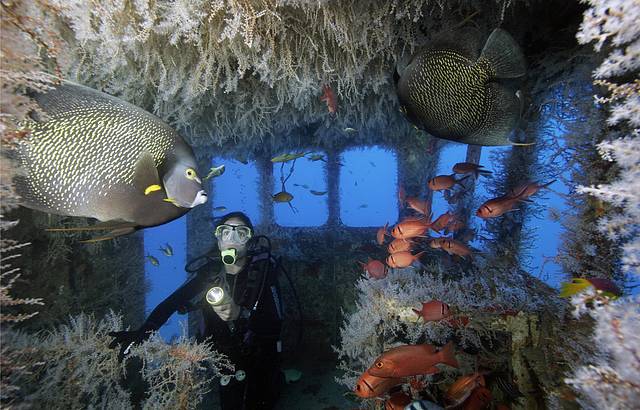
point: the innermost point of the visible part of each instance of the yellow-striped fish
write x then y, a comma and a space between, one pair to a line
454, 95
100, 157
577, 285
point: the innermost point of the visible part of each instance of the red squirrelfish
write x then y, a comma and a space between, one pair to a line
497, 206
524, 191
451, 246
375, 268
442, 221
464, 168
381, 233
369, 386
433, 310
399, 245
402, 259
442, 182
479, 399
409, 229
412, 360
329, 97
462, 388
422, 207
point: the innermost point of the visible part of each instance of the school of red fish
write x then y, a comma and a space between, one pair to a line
403, 364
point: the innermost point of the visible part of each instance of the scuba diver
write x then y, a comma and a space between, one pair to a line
238, 293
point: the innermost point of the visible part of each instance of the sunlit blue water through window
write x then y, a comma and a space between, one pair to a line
169, 275
308, 185
368, 187
236, 189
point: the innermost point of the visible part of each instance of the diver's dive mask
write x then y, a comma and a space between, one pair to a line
237, 234
232, 235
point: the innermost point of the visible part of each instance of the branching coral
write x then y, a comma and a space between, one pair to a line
244, 69
73, 367
613, 23
383, 317
612, 377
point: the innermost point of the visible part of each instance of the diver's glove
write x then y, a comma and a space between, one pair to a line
127, 339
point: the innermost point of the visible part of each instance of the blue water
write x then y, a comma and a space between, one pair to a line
368, 187
306, 208
368, 198
169, 275
237, 189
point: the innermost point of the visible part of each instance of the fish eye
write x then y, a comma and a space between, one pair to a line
190, 173
379, 365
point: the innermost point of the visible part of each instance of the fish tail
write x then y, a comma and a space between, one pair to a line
447, 355
111, 235
504, 55
419, 255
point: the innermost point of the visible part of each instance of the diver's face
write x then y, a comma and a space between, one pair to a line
183, 186
233, 233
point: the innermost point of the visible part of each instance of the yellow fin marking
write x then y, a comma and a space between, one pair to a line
152, 188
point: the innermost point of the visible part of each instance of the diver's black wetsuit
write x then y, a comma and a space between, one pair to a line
252, 341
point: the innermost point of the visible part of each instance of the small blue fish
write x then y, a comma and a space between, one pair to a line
215, 172
154, 261
167, 250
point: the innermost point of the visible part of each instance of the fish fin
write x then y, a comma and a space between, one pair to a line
447, 355
522, 144
145, 176
419, 313
152, 188
548, 183
102, 226
462, 179
113, 234
500, 120
504, 55
464, 41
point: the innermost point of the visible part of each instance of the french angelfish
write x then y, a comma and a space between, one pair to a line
452, 94
97, 156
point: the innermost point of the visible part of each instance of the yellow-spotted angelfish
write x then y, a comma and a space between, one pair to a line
94, 155
454, 94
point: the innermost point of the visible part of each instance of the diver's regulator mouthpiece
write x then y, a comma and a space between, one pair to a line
229, 256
